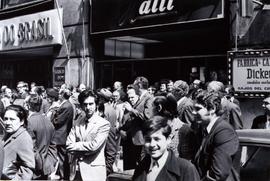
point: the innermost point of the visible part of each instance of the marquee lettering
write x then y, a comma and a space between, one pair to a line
37, 30
155, 6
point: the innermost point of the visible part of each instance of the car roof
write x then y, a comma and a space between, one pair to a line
254, 137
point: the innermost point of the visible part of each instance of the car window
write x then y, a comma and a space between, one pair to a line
255, 163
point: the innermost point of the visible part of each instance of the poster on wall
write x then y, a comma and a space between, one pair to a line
59, 76
249, 72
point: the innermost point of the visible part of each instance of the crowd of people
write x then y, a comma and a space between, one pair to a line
167, 130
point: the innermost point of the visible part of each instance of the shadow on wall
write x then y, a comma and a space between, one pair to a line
250, 107
79, 45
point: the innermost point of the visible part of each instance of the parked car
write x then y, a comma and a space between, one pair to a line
255, 158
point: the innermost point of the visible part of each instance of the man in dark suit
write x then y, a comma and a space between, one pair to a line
41, 130
1, 158
136, 113
184, 103
160, 163
145, 100
263, 121
62, 122
214, 160
109, 113
232, 112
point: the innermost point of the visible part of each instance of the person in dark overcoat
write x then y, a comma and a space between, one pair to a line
159, 163
216, 156
137, 111
62, 122
263, 121
41, 130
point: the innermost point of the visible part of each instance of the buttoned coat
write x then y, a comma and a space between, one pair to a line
175, 169
19, 161
217, 153
184, 109
134, 120
41, 130
62, 122
232, 114
111, 143
89, 144
2, 155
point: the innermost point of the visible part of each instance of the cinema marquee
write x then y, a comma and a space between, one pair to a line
249, 72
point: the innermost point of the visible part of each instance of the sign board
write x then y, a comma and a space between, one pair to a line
34, 30
249, 72
59, 75
110, 16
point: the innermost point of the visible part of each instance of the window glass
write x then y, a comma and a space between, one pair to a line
11, 3
255, 163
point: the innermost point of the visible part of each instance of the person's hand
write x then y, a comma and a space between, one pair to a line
123, 134
127, 106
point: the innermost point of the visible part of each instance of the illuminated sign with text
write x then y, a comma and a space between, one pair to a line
110, 16
249, 71
33, 30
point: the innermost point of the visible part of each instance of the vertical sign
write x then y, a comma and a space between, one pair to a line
59, 75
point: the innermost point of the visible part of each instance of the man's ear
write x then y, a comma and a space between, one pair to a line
213, 110
159, 108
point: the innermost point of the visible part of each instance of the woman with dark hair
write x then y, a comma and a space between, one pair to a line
182, 135
19, 161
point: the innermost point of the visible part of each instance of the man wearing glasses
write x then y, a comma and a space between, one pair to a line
263, 121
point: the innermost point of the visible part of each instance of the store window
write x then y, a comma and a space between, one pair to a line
13, 3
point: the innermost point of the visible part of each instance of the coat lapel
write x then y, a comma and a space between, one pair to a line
169, 167
86, 130
14, 135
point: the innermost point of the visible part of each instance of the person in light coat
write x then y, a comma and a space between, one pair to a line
19, 160
86, 141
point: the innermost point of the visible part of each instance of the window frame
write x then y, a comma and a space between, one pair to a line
3, 4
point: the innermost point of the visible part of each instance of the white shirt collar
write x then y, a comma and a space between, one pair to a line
180, 100
143, 93
161, 161
211, 124
30, 114
63, 102
267, 118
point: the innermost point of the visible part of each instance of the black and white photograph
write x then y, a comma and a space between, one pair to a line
135, 90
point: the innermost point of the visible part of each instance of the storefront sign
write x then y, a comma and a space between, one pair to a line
111, 16
33, 30
249, 71
157, 6
59, 75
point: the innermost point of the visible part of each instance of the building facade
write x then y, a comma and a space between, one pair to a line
97, 42
45, 41
181, 40
159, 39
